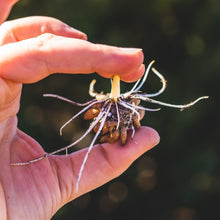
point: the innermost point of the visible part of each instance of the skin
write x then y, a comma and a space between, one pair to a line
30, 50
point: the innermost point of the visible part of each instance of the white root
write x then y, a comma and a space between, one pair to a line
91, 146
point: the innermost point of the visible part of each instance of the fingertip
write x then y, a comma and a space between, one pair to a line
78, 34
132, 61
125, 62
145, 138
134, 76
150, 136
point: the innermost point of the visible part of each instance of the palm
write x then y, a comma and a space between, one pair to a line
30, 192
38, 190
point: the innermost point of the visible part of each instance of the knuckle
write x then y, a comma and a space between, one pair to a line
6, 33
44, 39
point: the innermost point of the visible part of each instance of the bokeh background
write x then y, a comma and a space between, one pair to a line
180, 178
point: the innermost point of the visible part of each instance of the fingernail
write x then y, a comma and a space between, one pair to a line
131, 50
82, 35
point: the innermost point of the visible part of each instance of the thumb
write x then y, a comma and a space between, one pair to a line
105, 162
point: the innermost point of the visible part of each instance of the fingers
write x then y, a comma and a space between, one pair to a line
29, 27
34, 59
108, 161
5, 8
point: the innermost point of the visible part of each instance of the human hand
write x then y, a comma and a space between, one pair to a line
30, 50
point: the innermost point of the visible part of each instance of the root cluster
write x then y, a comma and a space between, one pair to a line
113, 114
119, 120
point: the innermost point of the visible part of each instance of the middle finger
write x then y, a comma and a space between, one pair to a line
28, 27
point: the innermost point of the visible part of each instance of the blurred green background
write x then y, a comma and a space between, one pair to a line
180, 178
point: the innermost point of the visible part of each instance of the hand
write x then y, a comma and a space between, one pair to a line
30, 50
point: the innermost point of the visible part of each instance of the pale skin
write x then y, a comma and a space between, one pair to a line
30, 50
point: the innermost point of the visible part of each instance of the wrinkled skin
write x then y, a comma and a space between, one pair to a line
30, 50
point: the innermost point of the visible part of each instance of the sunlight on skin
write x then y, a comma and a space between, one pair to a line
38, 190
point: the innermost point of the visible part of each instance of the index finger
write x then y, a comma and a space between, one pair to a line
31, 60
33, 26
